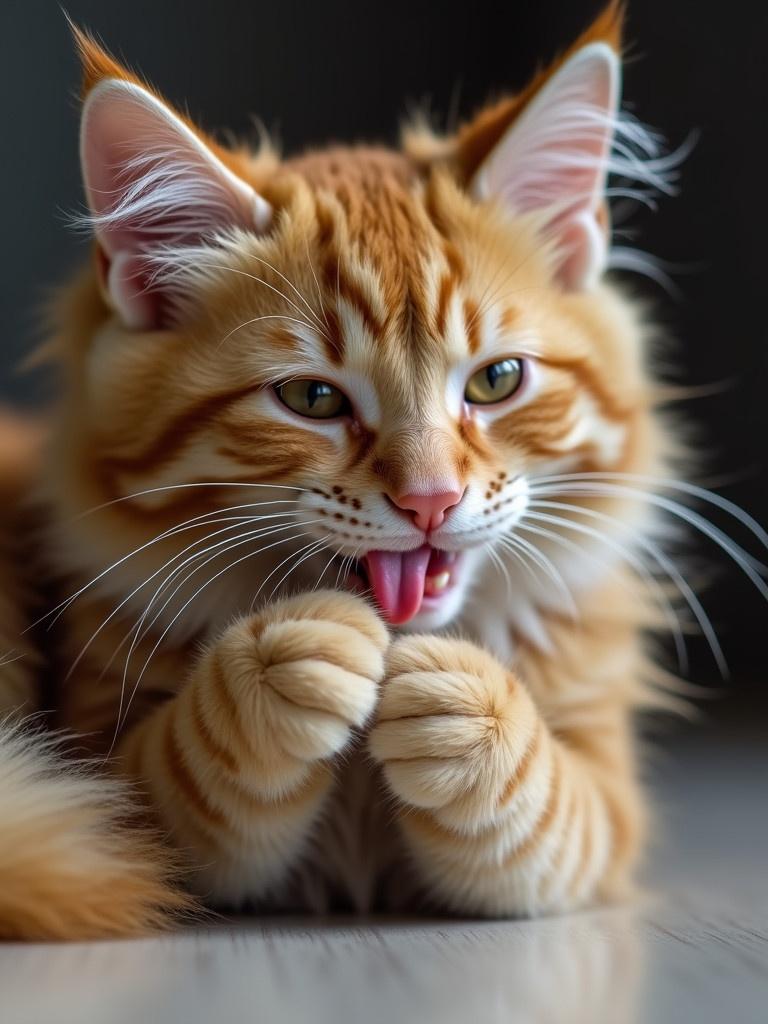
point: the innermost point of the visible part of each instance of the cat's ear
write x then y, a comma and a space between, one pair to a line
152, 181
549, 150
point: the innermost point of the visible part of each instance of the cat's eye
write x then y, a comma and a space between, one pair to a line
316, 399
494, 382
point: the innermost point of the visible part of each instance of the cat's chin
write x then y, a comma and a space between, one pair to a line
434, 614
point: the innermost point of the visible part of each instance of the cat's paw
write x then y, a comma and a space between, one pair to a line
453, 728
303, 673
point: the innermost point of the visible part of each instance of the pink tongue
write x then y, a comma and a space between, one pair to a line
397, 579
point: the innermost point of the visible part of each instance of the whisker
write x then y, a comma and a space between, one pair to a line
292, 286
260, 280
237, 521
319, 579
342, 563
672, 619
548, 567
499, 564
141, 631
220, 548
666, 564
212, 579
317, 284
277, 568
703, 493
258, 319
521, 556
62, 606
317, 548
180, 487
749, 566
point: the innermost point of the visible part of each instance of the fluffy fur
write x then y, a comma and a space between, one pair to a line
295, 750
73, 864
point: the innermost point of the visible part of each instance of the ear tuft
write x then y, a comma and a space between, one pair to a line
96, 64
555, 158
153, 182
548, 149
477, 137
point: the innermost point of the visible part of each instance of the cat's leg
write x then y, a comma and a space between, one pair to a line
501, 814
239, 762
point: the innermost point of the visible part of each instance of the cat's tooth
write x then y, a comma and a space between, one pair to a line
440, 582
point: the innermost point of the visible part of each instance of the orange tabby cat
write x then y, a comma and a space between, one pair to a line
346, 502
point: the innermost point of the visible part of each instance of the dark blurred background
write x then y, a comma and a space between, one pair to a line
343, 70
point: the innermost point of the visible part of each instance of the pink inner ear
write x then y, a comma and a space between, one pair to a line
152, 183
555, 158
130, 283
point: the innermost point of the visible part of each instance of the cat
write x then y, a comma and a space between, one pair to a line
346, 504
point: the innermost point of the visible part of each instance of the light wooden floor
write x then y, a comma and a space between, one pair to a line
696, 950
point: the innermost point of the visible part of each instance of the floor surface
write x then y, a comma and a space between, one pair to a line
696, 949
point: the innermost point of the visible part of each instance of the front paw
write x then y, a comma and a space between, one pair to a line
453, 728
304, 673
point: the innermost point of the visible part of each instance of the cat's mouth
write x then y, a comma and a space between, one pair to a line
404, 583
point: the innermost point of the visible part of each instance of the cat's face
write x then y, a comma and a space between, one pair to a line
378, 341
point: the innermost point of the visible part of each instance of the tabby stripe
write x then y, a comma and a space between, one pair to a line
353, 295
522, 769
560, 866
212, 747
445, 294
472, 325
587, 844
179, 432
185, 781
609, 406
543, 823
316, 779
226, 701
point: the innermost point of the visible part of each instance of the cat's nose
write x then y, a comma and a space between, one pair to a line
429, 509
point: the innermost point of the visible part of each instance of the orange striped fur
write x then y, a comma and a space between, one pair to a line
297, 751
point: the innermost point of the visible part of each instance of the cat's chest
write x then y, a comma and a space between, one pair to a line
505, 612
356, 859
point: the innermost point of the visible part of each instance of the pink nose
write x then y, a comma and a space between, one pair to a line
428, 509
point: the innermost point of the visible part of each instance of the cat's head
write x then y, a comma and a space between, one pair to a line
398, 344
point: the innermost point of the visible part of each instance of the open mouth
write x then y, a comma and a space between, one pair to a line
404, 582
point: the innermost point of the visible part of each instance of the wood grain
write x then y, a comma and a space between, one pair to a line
694, 948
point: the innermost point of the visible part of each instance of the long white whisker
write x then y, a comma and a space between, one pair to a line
521, 556
204, 558
236, 522
317, 548
703, 493
60, 608
260, 280
673, 620
317, 285
291, 285
319, 579
258, 319
231, 565
342, 563
741, 557
668, 566
277, 568
182, 487
499, 564
140, 631
548, 567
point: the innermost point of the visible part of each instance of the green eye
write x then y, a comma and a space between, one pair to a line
313, 398
494, 382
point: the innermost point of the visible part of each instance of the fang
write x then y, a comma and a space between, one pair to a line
441, 581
